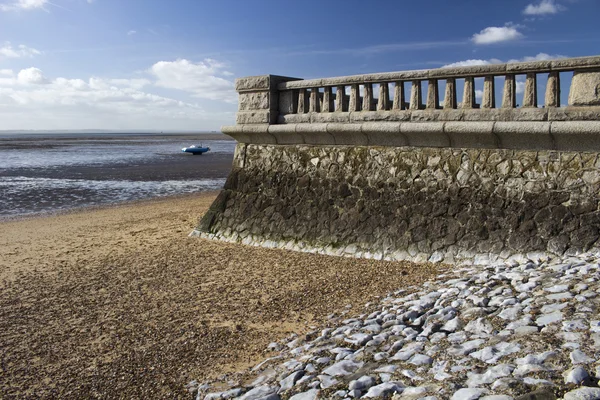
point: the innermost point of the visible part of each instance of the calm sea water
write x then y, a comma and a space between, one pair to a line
45, 173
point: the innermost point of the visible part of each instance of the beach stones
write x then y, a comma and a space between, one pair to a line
473, 333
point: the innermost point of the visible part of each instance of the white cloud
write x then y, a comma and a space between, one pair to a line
201, 79
543, 8
131, 32
30, 100
474, 62
496, 34
21, 51
32, 76
538, 57
24, 5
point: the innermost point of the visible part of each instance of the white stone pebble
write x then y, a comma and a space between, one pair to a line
577, 375
584, 393
469, 394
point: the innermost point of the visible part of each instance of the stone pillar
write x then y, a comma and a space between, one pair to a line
450, 96
315, 100
302, 101
260, 99
489, 93
399, 97
585, 88
552, 98
327, 100
367, 104
354, 98
530, 96
469, 93
384, 97
433, 96
340, 98
509, 98
415, 96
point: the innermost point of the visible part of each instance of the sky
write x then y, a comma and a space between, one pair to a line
171, 64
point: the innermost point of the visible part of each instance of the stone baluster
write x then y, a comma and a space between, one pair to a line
450, 96
416, 95
509, 98
469, 93
340, 98
399, 98
530, 95
433, 95
354, 98
367, 104
553, 90
489, 93
384, 97
327, 100
315, 101
302, 101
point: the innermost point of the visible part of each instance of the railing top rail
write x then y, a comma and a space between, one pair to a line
565, 64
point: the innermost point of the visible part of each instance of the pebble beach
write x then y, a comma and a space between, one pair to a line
527, 328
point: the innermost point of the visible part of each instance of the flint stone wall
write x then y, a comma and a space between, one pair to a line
439, 204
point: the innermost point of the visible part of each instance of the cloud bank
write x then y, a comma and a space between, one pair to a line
25, 5
31, 100
473, 62
21, 51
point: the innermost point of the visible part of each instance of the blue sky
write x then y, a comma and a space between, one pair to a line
170, 65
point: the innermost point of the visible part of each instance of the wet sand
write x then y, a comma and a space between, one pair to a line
118, 302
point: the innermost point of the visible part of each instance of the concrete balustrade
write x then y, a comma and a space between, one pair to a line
272, 107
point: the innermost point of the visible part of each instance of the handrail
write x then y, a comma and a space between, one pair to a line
496, 92
559, 65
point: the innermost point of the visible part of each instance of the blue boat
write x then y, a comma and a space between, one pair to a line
195, 149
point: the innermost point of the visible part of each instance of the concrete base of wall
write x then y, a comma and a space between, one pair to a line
461, 257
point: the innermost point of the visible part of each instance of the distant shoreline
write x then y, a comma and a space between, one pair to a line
79, 135
151, 131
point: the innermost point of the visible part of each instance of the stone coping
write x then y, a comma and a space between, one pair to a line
571, 113
526, 135
567, 64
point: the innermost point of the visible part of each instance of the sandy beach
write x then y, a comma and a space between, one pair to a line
118, 302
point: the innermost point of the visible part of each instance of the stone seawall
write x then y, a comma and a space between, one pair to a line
409, 203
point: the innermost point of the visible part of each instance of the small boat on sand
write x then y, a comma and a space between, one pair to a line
193, 149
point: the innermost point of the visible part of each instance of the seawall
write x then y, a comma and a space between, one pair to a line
443, 185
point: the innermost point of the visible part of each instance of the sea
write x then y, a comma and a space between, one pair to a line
42, 173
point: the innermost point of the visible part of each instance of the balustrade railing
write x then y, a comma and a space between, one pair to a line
356, 93
405, 108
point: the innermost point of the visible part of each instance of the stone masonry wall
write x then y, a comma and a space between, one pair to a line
409, 203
